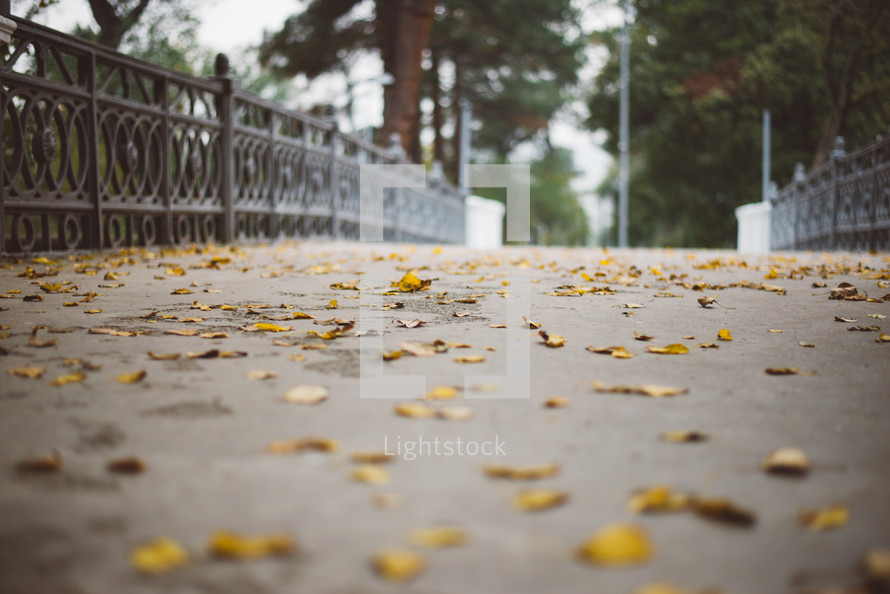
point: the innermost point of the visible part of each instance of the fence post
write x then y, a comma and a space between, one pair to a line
98, 232
225, 111
836, 153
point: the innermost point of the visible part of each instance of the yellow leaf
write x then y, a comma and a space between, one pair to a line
93, 311
298, 315
316, 444
825, 518
171, 271
469, 359
332, 304
371, 457
883, 337
231, 545
787, 461
297, 358
132, 377
158, 556
188, 332
683, 436
415, 410
373, 474
112, 332
663, 588
552, 340
521, 473
182, 292
398, 565
539, 499
306, 394
671, 349
877, 565
266, 327
29, 371
410, 283
77, 376
617, 545
213, 335
225, 307
439, 536
441, 393
724, 334
659, 499
781, 371
70, 304
640, 389
391, 355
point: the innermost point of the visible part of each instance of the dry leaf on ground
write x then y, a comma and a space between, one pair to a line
552, 340
441, 393
410, 283
314, 444
439, 536
781, 371
409, 323
158, 556
671, 349
556, 402
373, 474
658, 499
651, 390
371, 457
787, 461
260, 374
683, 436
539, 499
824, 518
617, 545
70, 378
723, 511
306, 394
469, 359
28, 371
521, 473
132, 377
41, 465
724, 334
130, 465
231, 545
398, 565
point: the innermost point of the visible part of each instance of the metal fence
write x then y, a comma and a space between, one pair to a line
842, 205
101, 150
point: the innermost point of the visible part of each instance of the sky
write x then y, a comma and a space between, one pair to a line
230, 26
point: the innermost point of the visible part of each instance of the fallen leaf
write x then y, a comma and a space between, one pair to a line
847, 320
232, 354
825, 518
391, 306
439, 536
158, 556
469, 359
723, 511
306, 394
409, 323
187, 332
373, 474
314, 347
454, 413
683, 436
132, 377
28, 371
619, 352
129, 465
93, 311
114, 332
665, 588
170, 271
371, 457
521, 473
617, 545
231, 545
651, 390
315, 444
775, 331
213, 335
552, 340
190, 320
164, 356
631, 305
32, 298
260, 374
556, 402
332, 304
531, 325
42, 465
786, 461
398, 565
77, 376
782, 371
353, 286
539, 499
182, 292
441, 393
298, 358
877, 316
643, 337
266, 327
807, 345
415, 410
658, 499
843, 291
497, 325
876, 565
724, 334
708, 345
410, 283
35, 342
671, 349
864, 328
707, 301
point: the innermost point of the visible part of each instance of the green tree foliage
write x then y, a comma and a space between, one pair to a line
701, 74
557, 218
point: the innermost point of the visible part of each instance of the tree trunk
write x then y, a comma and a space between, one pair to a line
458, 122
112, 27
402, 58
436, 95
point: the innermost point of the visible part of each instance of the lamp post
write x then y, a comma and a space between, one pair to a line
624, 128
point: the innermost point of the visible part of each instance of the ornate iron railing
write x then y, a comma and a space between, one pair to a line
101, 150
842, 205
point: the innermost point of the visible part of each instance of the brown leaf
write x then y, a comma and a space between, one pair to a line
531, 325
298, 358
782, 371
131, 465
42, 465
371, 457
182, 292
865, 328
883, 338
556, 402
188, 332
843, 291
807, 345
619, 352
213, 335
35, 342
115, 332
164, 356
391, 306
683, 436
643, 337
847, 320
707, 301
723, 511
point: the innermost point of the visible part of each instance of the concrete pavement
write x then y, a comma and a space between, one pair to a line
203, 428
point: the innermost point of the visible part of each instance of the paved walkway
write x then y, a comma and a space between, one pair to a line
224, 449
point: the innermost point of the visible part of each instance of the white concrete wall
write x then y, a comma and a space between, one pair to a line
484, 223
753, 227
